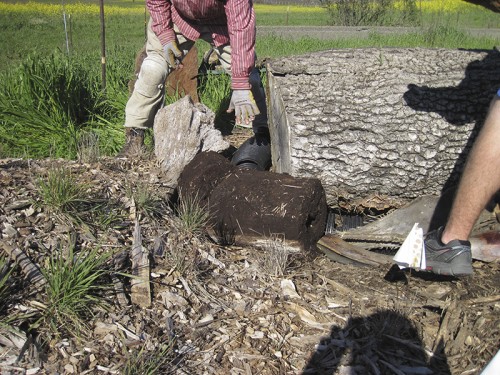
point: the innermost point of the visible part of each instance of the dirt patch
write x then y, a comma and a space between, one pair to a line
230, 309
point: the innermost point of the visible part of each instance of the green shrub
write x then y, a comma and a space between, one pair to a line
371, 12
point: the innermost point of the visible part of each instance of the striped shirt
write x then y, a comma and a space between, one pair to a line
230, 21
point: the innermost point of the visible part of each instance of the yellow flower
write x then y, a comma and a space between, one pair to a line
77, 8
265, 8
444, 5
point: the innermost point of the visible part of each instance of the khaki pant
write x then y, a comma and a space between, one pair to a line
149, 91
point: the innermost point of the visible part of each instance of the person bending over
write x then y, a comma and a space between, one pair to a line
173, 28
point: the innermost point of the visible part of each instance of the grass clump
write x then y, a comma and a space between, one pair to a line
143, 362
277, 257
60, 192
74, 290
88, 150
48, 103
67, 199
146, 201
194, 215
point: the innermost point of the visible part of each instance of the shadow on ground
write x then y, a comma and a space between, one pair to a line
385, 342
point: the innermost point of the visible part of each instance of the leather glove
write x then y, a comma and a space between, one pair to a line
243, 103
173, 54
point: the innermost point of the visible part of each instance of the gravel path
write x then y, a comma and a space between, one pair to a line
333, 32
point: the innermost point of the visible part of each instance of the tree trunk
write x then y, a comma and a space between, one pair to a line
379, 126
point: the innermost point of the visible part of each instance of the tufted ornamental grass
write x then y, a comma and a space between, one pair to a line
194, 216
76, 288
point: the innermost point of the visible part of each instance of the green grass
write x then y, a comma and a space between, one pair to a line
125, 31
60, 192
146, 201
47, 102
63, 196
74, 290
194, 216
144, 362
5, 287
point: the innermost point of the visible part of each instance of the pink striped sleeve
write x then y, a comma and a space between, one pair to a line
241, 26
161, 16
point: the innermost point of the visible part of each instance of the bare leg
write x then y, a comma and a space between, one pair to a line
480, 179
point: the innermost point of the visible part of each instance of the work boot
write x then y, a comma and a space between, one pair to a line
453, 258
134, 142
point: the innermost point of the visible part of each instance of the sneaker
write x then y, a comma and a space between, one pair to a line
453, 258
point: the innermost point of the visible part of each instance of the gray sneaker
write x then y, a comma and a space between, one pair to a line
453, 258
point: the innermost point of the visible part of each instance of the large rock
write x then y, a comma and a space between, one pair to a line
379, 126
182, 130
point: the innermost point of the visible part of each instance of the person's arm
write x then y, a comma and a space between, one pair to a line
241, 26
161, 16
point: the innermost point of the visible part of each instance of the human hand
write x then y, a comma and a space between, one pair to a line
173, 54
243, 103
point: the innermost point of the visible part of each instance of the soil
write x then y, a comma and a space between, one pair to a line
229, 309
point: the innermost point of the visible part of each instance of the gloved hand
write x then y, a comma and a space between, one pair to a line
243, 103
173, 54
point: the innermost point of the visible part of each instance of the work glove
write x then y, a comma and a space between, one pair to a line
173, 54
244, 106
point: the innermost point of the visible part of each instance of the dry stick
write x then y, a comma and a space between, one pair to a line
448, 324
29, 268
487, 299
140, 289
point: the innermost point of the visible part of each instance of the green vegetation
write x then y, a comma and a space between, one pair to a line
372, 12
194, 216
60, 192
47, 103
146, 362
146, 201
5, 288
65, 198
51, 100
74, 290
